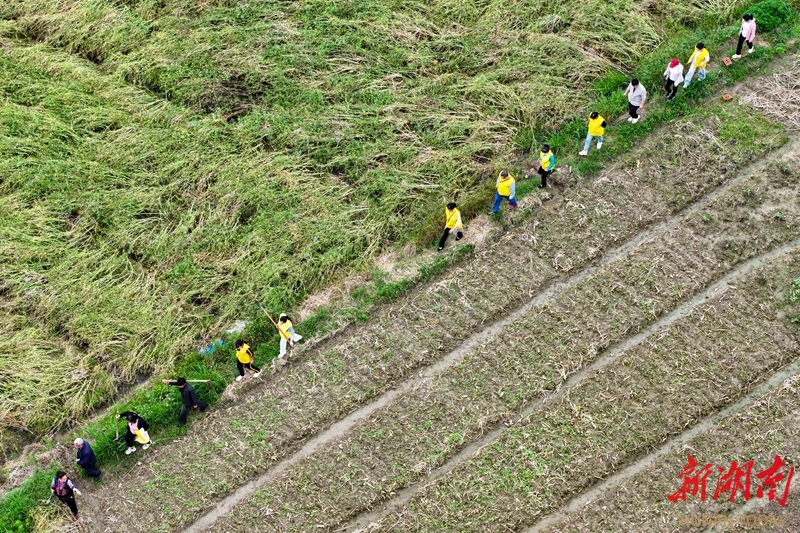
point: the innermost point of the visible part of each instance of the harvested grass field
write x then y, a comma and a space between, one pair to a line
602, 322
167, 164
624, 222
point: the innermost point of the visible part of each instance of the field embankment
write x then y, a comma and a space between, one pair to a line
642, 192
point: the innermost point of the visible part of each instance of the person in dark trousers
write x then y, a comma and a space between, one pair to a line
452, 222
63, 489
746, 35
673, 77
190, 399
86, 459
244, 359
137, 431
637, 95
546, 163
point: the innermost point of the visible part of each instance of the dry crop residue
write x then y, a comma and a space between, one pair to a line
402, 443
242, 441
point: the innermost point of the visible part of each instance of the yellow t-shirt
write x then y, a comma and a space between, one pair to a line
503, 186
283, 328
595, 126
700, 58
452, 219
244, 354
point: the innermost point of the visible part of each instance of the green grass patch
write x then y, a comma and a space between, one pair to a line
16, 505
294, 144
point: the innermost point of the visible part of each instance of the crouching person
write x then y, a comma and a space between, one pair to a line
137, 431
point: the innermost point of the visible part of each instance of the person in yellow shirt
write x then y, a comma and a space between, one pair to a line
547, 161
698, 62
597, 126
244, 359
288, 336
505, 187
452, 222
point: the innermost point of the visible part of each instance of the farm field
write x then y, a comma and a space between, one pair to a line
553, 378
169, 164
415, 413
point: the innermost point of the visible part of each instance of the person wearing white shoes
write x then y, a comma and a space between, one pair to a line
244, 359
746, 35
597, 126
697, 62
637, 95
288, 336
137, 431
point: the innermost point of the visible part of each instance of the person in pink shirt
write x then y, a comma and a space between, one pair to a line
747, 34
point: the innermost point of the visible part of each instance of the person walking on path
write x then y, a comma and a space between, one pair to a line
63, 489
637, 95
505, 187
746, 35
86, 459
673, 76
597, 126
697, 62
244, 359
137, 431
190, 399
452, 222
547, 162
288, 336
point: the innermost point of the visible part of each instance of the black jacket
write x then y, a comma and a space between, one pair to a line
86, 457
188, 394
141, 423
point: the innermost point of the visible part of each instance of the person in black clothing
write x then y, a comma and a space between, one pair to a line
86, 459
137, 431
190, 399
63, 489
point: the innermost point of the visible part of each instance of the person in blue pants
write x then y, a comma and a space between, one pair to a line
505, 187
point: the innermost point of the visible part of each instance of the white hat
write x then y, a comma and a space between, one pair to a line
78, 442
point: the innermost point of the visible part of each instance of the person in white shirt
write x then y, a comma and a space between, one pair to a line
636, 94
674, 76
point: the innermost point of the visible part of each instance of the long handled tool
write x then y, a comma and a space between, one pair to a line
116, 424
209, 382
289, 340
270, 317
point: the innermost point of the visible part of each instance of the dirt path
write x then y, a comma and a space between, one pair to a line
342, 427
349, 379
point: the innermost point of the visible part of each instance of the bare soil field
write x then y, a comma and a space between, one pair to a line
404, 442
766, 426
267, 423
654, 391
